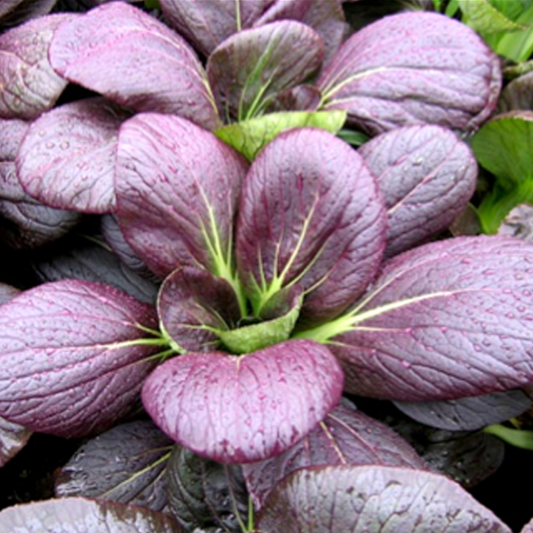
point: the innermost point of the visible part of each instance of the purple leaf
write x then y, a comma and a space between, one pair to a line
67, 158
518, 94
373, 498
242, 409
249, 68
316, 220
177, 189
345, 436
29, 84
26, 223
413, 68
192, 303
74, 356
464, 456
135, 60
207, 24
90, 260
326, 17
115, 239
426, 175
14, 12
202, 493
13, 437
518, 223
528, 528
74, 515
443, 321
471, 413
125, 464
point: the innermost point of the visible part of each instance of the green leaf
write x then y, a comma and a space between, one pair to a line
151, 4
255, 337
504, 146
452, 8
486, 19
516, 437
498, 203
250, 136
355, 138
517, 45
437, 4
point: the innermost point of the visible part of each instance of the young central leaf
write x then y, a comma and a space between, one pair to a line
310, 214
247, 69
177, 188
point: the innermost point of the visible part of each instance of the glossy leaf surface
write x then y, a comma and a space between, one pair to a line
80, 515
426, 175
413, 68
204, 493
473, 412
135, 60
67, 157
73, 356
125, 464
241, 409
345, 437
518, 94
317, 220
192, 305
247, 69
443, 321
177, 188
26, 222
29, 84
373, 498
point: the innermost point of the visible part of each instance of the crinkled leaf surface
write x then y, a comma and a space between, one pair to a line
373, 498
177, 189
125, 464
247, 69
29, 84
518, 94
26, 222
67, 158
192, 305
443, 321
502, 146
90, 260
413, 68
81, 515
310, 214
242, 409
345, 437
204, 493
326, 17
468, 457
73, 358
474, 412
207, 24
426, 175
135, 60
249, 137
